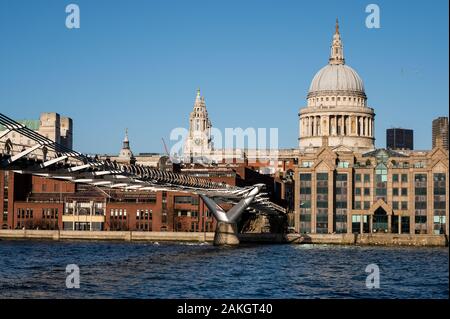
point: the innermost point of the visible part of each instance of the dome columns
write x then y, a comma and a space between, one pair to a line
356, 129
336, 125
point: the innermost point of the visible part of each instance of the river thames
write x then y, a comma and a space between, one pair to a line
37, 269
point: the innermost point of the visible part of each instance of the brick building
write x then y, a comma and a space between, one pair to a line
35, 202
341, 191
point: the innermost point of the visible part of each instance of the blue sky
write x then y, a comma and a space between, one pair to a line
137, 64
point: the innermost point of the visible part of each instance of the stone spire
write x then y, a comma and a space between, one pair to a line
198, 143
199, 100
337, 50
126, 155
198, 97
126, 141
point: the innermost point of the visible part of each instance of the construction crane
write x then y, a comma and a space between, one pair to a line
165, 146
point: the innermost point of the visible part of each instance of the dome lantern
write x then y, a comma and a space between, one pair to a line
337, 49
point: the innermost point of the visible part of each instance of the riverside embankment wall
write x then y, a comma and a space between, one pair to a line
370, 239
106, 235
338, 239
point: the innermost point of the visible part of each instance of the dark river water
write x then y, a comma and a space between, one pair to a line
37, 269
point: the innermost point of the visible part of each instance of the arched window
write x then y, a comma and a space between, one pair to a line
8, 146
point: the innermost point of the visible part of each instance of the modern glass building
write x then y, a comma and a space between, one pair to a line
399, 139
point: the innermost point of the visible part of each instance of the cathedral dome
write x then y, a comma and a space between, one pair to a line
336, 113
336, 77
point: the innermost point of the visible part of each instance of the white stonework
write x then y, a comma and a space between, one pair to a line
125, 153
50, 124
198, 145
336, 111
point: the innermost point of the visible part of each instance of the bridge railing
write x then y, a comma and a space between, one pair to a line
80, 168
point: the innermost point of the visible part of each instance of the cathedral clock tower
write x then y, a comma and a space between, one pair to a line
198, 143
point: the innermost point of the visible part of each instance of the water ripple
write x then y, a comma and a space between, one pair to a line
36, 269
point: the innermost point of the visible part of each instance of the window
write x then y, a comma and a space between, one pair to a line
358, 178
366, 178
357, 191
340, 213
381, 181
186, 200
356, 223
366, 205
307, 164
395, 191
305, 190
421, 219
395, 205
182, 213
164, 218
343, 164
420, 198
395, 178
420, 164
305, 177
404, 178
322, 203
381, 173
366, 191
358, 205
404, 205
439, 203
404, 191
305, 203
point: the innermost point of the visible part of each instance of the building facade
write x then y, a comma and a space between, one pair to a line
340, 191
440, 131
399, 139
33, 202
51, 125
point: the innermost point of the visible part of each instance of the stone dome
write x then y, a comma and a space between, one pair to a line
336, 77
336, 113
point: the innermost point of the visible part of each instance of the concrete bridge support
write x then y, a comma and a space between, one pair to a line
226, 230
226, 234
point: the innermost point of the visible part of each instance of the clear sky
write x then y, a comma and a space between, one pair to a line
137, 64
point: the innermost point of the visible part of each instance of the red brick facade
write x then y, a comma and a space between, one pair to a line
34, 202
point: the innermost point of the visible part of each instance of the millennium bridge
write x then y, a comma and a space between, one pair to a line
47, 158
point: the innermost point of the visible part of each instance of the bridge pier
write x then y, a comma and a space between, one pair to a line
226, 230
226, 234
